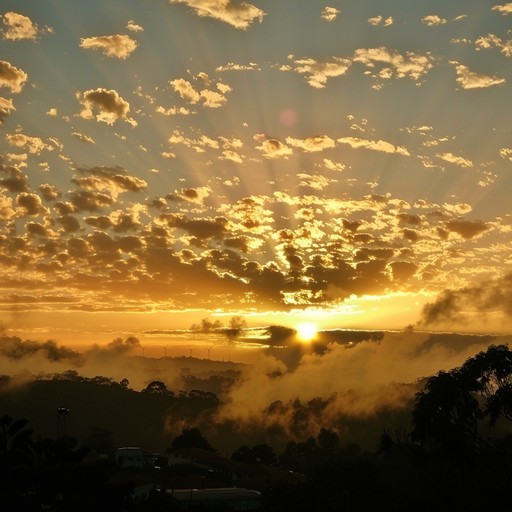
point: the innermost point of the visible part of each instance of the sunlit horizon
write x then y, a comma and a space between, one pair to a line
165, 162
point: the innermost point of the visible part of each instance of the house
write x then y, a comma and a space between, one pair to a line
134, 457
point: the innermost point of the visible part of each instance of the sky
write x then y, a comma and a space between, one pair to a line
342, 162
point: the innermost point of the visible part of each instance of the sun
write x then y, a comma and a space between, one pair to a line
306, 331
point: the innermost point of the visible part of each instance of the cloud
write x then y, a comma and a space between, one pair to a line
467, 229
316, 182
83, 138
272, 148
381, 21
470, 80
109, 105
31, 203
458, 306
201, 229
506, 153
111, 179
318, 72
312, 144
131, 25
503, 8
232, 66
333, 166
329, 13
17, 181
12, 77
16, 349
6, 107
210, 98
454, 159
433, 20
19, 27
195, 195
377, 375
493, 41
374, 145
118, 46
410, 65
237, 14
34, 145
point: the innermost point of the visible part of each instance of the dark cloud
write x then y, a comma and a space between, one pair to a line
453, 306
15, 348
16, 180
466, 228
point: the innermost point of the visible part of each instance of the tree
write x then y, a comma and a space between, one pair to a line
156, 387
259, 454
236, 325
448, 410
192, 438
207, 325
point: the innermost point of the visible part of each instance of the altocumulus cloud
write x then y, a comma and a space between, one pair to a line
118, 46
107, 103
238, 14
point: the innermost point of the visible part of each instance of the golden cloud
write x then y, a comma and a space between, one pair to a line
5, 108
118, 46
237, 14
18, 27
109, 105
318, 72
11, 77
468, 79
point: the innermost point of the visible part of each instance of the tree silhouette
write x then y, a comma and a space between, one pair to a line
192, 438
236, 325
259, 454
156, 387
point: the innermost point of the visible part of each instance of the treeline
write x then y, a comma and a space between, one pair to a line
453, 454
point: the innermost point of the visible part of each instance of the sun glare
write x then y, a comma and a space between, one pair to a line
306, 331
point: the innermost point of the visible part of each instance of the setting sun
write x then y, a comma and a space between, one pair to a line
306, 331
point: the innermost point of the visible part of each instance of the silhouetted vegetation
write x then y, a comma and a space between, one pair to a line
455, 453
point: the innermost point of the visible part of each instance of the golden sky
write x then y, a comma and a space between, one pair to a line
343, 163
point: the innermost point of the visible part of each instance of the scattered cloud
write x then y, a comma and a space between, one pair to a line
110, 107
232, 66
133, 27
318, 72
83, 138
374, 145
467, 229
410, 65
33, 145
312, 144
503, 8
433, 20
19, 27
456, 160
468, 79
381, 21
330, 13
12, 77
272, 148
6, 106
118, 46
237, 14
209, 98
493, 41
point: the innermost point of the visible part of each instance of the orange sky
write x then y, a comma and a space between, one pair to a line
292, 161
